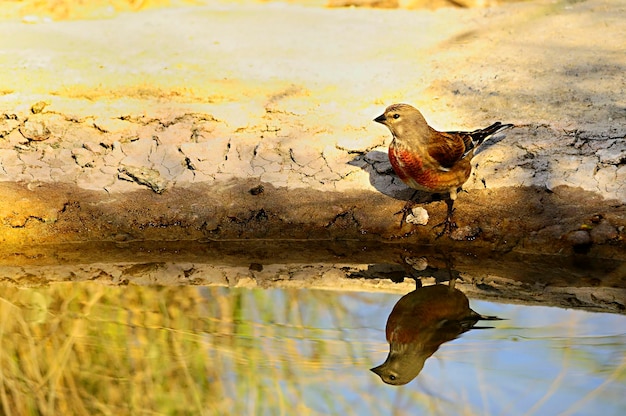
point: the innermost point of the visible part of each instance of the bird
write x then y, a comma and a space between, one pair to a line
429, 160
419, 323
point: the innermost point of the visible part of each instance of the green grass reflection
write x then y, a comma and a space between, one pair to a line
91, 349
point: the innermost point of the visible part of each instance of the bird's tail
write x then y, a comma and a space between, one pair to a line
470, 321
480, 135
489, 318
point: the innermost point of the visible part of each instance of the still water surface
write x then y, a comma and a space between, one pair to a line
145, 350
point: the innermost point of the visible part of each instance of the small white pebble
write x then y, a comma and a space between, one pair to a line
418, 263
418, 216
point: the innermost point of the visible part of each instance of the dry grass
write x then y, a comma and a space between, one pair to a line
91, 349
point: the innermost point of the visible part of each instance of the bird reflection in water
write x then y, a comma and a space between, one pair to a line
419, 323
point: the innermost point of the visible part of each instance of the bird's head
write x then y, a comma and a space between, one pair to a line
403, 118
399, 369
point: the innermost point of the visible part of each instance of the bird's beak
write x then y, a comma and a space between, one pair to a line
378, 370
381, 119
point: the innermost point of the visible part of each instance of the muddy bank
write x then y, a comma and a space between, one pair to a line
529, 220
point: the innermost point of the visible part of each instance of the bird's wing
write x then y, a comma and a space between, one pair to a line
480, 135
448, 147
473, 139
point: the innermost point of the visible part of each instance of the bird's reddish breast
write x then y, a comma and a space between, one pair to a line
405, 164
409, 166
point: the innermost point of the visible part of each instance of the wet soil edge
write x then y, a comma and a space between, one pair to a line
315, 276
575, 281
564, 221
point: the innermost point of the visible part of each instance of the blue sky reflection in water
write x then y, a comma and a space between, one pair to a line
97, 349
539, 361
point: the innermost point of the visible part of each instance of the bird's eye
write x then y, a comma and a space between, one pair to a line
396, 116
391, 376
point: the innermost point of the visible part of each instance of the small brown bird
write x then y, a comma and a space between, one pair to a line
418, 324
430, 160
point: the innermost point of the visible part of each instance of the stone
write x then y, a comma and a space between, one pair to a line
467, 233
417, 216
39, 106
144, 176
35, 129
603, 232
579, 238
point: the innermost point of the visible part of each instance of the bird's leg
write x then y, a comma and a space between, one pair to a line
451, 277
448, 224
407, 209
418, 282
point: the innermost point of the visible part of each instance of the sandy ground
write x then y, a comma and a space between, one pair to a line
246, 120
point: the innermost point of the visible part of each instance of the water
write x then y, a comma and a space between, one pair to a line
88, 348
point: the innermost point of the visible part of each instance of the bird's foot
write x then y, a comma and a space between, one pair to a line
405, 211
448, 225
